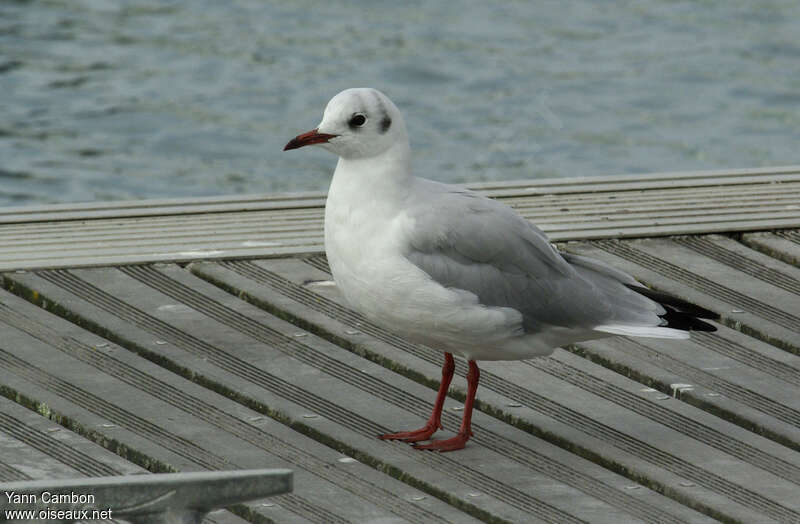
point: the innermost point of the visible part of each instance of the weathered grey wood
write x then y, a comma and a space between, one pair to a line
135, 208
233, 223
556, 185
34, 447
187, 254
314, 199
75, 243
729, 252
513, 474
726, 175
279, 285
779, 197
783, 245
716, 361
600, 222
120, 229
711, 380
169, 243
562, 235
166, 419
617, 430
697, 180
652, 211
168, 498
64, 254
733, 192
38, 448
745, 302
182, 230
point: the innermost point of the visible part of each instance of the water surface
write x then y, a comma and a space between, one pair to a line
105, 100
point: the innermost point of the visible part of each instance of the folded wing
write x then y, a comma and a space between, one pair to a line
472, 243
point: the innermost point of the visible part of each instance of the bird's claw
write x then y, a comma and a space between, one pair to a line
417, 435
450, 444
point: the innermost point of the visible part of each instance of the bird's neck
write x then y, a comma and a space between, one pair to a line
383, 178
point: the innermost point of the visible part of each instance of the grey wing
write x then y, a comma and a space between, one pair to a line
469, 242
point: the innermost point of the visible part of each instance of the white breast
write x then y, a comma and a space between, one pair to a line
365, 244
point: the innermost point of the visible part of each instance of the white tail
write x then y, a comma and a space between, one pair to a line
643, 331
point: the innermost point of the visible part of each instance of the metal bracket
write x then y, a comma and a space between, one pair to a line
165, 498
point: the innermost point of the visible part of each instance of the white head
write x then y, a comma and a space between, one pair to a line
357, 123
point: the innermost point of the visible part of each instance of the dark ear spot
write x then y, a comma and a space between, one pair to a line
386, 123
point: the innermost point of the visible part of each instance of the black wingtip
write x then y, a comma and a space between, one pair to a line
684, 321
665, 299
680, 314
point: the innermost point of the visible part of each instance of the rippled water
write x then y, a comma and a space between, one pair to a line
104, 100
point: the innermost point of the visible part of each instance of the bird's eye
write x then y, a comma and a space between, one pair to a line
357, 120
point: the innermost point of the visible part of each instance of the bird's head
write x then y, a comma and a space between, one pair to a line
357, 123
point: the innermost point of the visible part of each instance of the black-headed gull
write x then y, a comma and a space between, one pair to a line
459, 272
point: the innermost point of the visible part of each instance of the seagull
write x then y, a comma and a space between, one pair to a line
459, 272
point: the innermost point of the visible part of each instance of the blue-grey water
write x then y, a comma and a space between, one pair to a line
104, 100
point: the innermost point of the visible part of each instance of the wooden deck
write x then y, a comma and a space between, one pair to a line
205, 334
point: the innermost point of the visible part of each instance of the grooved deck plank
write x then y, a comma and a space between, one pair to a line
783, 245
124, 397
245, 357
709, 380
298, 289
260, 356
719, 179
733, 254
691, 202
182, 230
744, 302
33, 447
43, 449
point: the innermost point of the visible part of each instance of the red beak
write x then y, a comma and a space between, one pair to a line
306, 139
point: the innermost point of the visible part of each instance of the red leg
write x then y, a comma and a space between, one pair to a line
435, 421
465, 431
